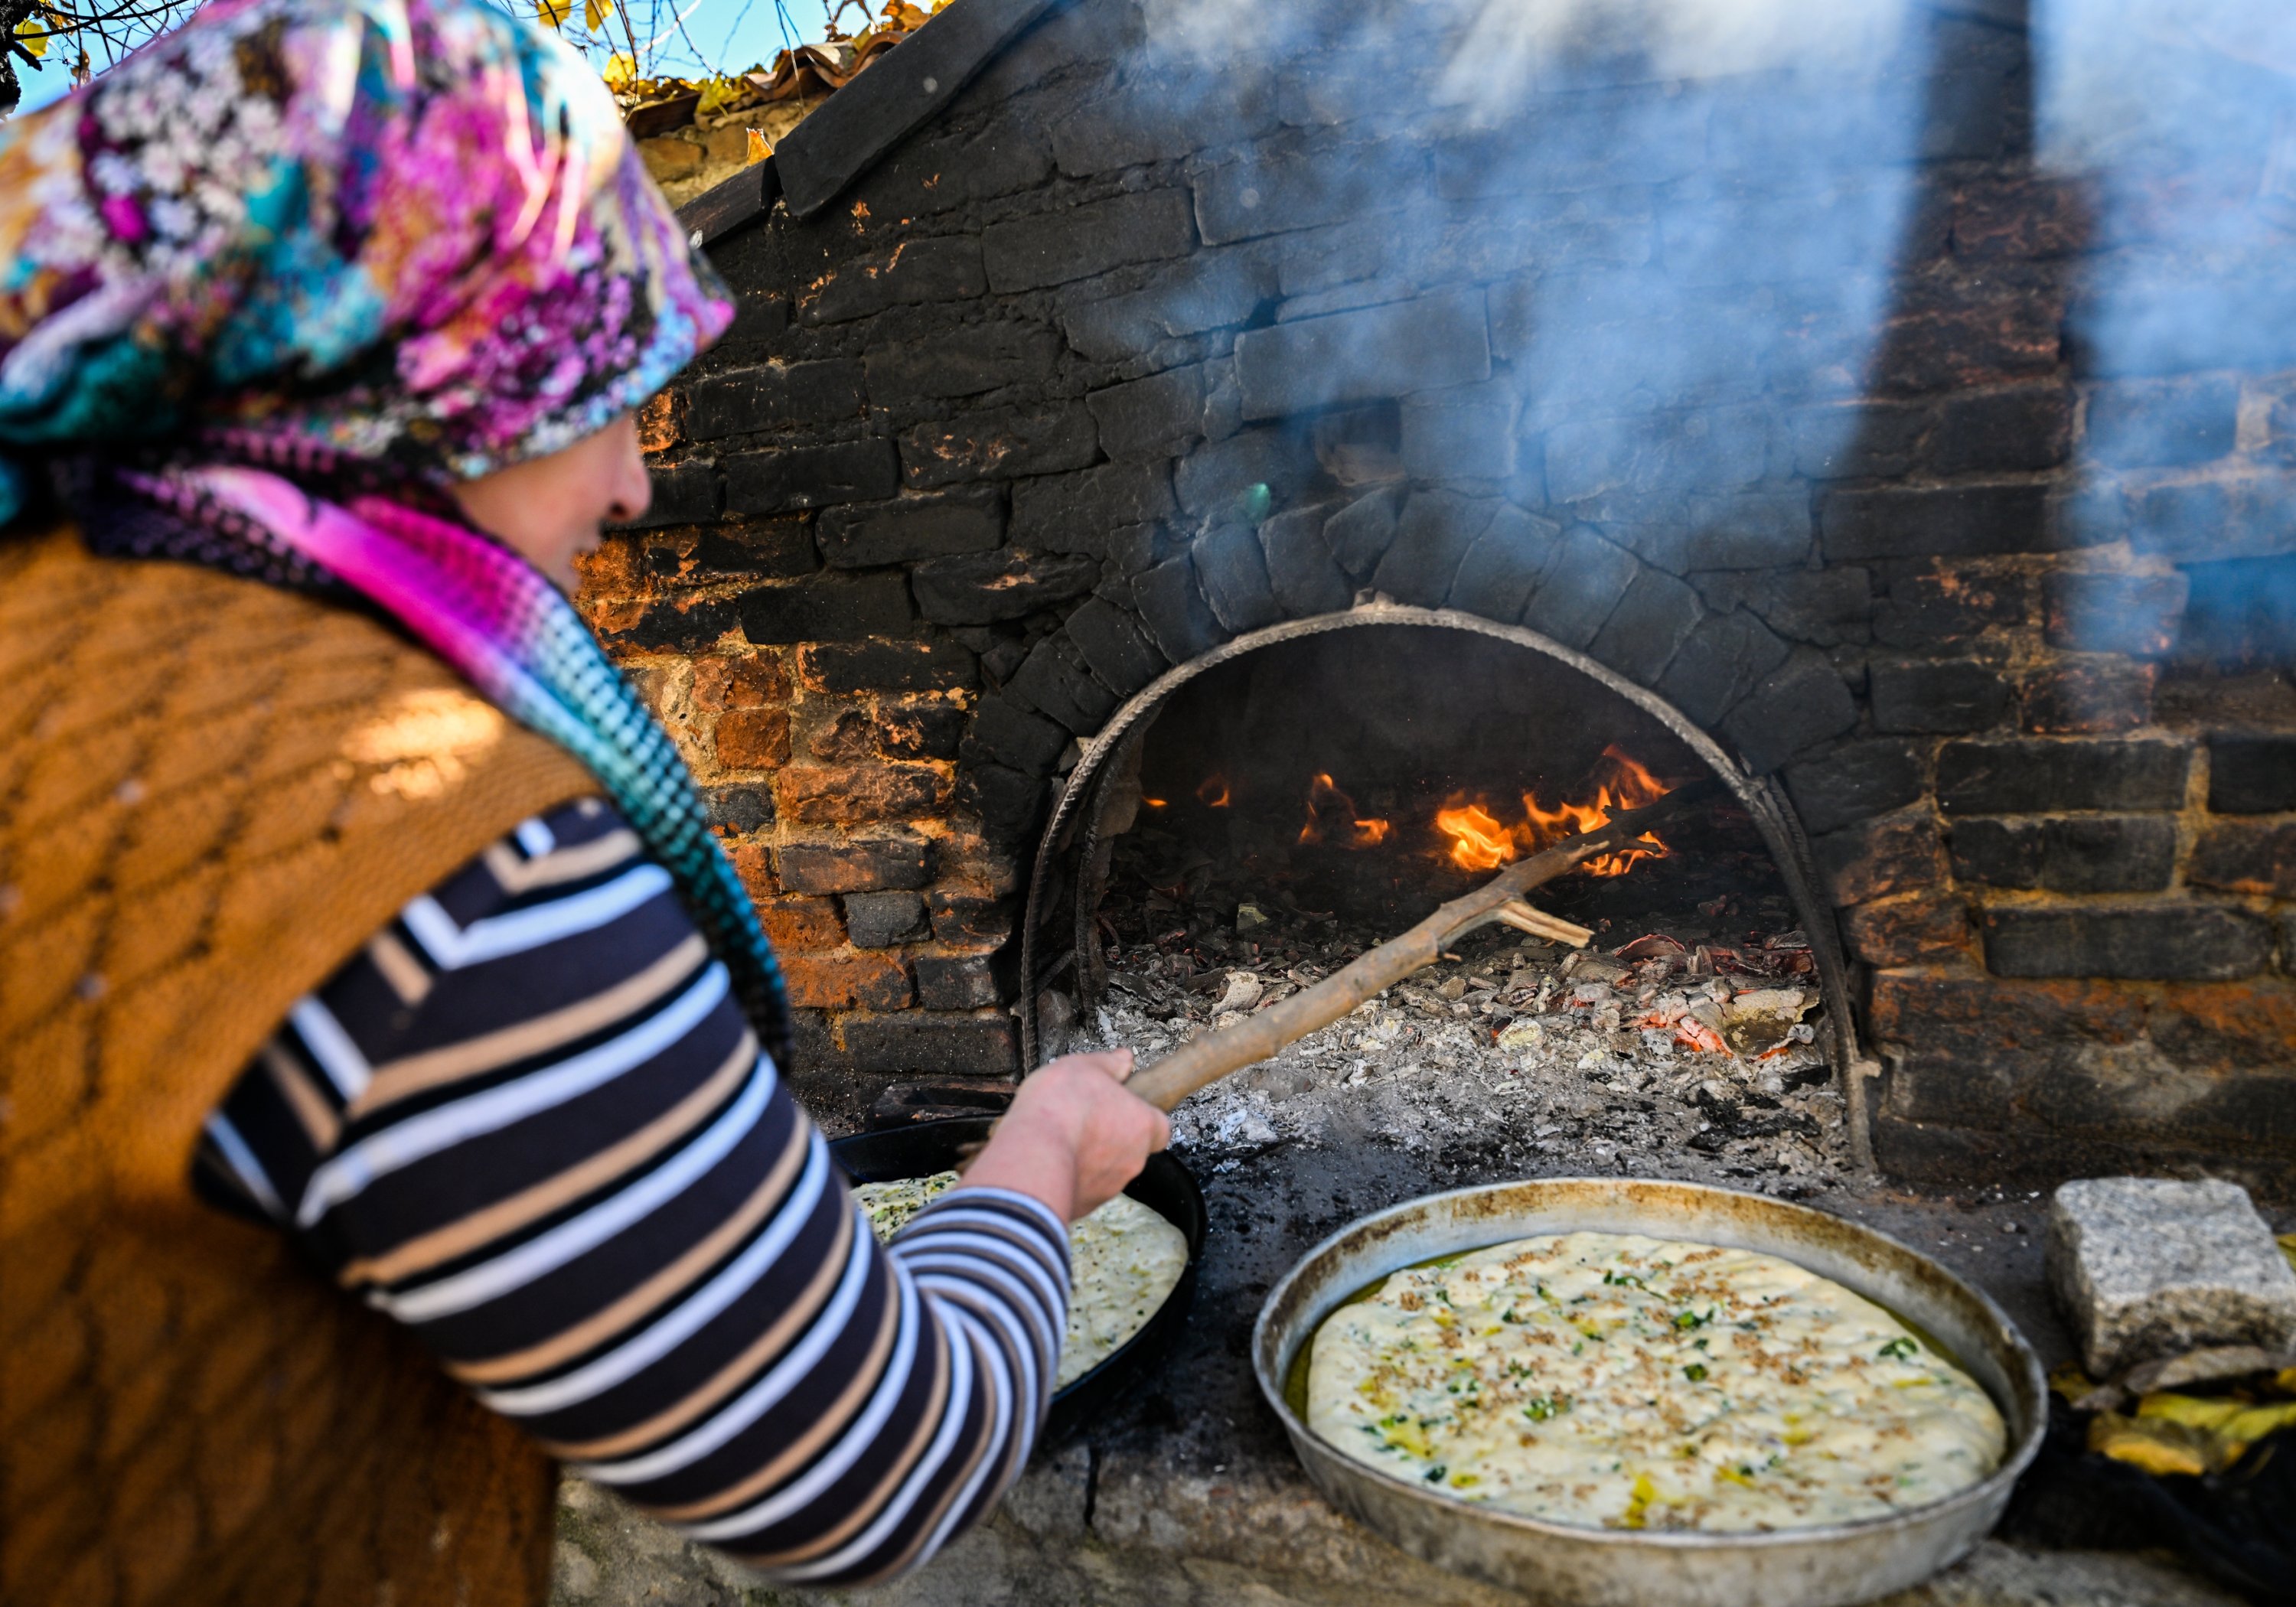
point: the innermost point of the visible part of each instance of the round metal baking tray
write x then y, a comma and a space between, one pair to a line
1164, 1186
1570, 1565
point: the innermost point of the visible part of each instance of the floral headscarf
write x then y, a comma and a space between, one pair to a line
271, 285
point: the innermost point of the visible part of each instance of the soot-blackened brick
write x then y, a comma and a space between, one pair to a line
773, 549
1934, 695
847, 668
1291, 182
2024, 427
981, 589
1583, 582
1649, 626
1173, 606
811, 477
741, 400
738, 808
963, 915
1004, 443
1875, 858
2029, 776
2252, 857
1998, 853
2167, 942
1794, 708
1497, 575
2162, 423
1431, 343
683, 493
1856, 781
1164, 116
1856, 440
1155, 417
1004, 733
2088, 696
1302, 571
1919, 928
920, 1043
1735, 530
1245, 475
1924, 611
1079, 243
827, 607
881, 920
1432, 538
1075, 512
1009, 802
1898, 521
1468, 433
679, 623
2206, 521
1116, 646
915, 528
1055, 679
2108, 853
2135, 614
1725, 657
1233, 571
921, 729
1360, 533
956, 981
961, 362
2251, 774
900, 859
852, 794
916, 272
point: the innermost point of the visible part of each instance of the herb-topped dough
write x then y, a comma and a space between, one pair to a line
1124, 1262
1627, 1382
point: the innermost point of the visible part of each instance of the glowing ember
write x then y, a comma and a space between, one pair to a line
1479, 841
1329, 809
1213, 792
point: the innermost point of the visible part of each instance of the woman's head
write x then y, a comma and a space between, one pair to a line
401, 241
549, 509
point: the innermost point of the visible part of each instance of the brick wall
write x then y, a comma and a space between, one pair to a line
1116, 357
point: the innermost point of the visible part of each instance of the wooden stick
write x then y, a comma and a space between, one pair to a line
1199, 1064
1538, 923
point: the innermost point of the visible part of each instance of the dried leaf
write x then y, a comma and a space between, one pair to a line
594, 14
621, 70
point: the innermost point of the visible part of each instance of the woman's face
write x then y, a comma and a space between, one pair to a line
548, 509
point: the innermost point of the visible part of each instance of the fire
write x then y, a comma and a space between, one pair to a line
1327, 805
1212, 792
1480, 842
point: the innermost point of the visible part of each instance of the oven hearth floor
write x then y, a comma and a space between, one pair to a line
1188, 1495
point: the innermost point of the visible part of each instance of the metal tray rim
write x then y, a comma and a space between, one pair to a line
1991, 1489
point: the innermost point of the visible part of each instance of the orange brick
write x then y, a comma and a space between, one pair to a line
846, 795
660, 422
753, 862
874, 981
746, 683
753, 739
801, 922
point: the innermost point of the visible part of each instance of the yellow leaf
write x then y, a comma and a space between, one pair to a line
594, 14
553, 12
621, 70
2156, 1446
2193, 1411
758, 150
32, 34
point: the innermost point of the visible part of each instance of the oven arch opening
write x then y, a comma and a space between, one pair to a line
1071, 863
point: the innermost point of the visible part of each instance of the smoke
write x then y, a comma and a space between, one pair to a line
2177, 121
1687, 212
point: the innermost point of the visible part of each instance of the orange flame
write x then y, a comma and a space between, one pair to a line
1325, 799
1212, 792
1480, 842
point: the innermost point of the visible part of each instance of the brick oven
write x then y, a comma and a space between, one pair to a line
1786, 411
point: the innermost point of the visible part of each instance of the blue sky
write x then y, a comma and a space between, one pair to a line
730, 34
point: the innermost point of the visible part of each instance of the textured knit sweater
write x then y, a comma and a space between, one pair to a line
220, 807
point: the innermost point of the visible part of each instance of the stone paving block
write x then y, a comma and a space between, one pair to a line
2144, 1268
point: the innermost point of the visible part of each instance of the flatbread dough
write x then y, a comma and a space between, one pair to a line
1621, 1381
1124, 1262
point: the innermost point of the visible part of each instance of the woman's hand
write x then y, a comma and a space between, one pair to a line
1073, 1136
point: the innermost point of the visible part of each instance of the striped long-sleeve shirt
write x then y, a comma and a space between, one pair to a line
528, 1121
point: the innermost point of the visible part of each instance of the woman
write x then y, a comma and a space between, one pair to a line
343, 881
